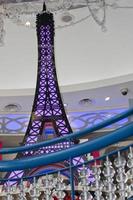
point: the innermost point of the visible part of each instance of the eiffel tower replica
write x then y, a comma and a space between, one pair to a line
48, 118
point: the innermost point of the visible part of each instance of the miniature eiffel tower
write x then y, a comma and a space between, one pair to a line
48, 118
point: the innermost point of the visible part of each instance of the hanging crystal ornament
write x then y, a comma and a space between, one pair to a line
97, 10
60, 187
130, 172
1, 191
84, 184
98, 183
8, 192
47, 184
109, 186
130, 191
23, 190
130, 163
15, 190
35, 190
121, 176
53, 6
66, 4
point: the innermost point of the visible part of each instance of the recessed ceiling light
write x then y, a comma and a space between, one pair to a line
12, 107
65, 104
27, 23
67, 17
107, 98
85, 101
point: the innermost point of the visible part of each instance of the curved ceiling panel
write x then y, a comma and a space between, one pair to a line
84, 54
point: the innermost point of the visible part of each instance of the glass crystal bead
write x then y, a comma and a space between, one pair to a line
130, 173
83, 172
98, 194
130, 163
50, 177
121, 178
97, 170
9, 197
108, 163
120, 162
35, 192
107, 181
60, 195
130, 155
99, 186
108, 171
60, 186
21, 197
84, 182
111, 196
110, 188
48, 192
130, 189
86, 196
123, 194
14, 189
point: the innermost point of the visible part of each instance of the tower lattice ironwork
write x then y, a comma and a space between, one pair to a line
48, 118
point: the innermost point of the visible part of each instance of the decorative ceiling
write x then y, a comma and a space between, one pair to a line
87, 59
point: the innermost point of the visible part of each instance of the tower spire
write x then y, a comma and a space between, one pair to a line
44, 6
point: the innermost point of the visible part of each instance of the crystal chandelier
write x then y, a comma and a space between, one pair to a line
16, 10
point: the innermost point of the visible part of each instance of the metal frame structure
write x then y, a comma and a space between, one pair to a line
48, 107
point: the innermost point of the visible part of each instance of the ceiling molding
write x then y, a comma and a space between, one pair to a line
98, 84
126, 79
